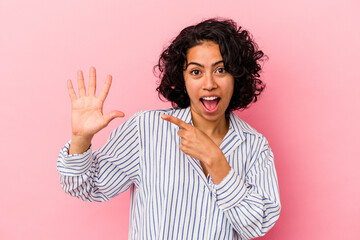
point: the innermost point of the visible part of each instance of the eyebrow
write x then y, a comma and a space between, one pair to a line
200, 65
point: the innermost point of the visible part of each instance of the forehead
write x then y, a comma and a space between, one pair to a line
206, 51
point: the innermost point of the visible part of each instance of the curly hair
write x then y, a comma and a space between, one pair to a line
239, 52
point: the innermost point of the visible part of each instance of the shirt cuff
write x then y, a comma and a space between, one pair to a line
230, 191
74, 164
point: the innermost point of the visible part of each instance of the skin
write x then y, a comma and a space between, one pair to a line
204, 76
87, 116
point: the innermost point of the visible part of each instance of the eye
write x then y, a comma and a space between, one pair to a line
195, 72
220, 70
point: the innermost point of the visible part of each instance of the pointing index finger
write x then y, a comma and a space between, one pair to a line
176, 121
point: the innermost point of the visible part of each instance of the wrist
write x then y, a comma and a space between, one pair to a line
213, 158
218, 167
79, 144
79, 138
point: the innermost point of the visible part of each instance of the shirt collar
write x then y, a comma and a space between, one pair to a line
237, 126
234, 137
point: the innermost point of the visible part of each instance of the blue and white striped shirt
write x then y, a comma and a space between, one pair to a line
171, 198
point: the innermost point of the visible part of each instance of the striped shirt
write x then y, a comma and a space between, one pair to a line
171, 198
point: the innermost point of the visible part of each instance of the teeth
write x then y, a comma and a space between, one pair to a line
210, 98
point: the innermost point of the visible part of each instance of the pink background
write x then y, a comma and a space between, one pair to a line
309, 112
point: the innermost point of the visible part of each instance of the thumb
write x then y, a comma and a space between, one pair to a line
112, 115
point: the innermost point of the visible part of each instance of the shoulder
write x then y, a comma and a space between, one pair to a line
243, 128
255, 141
182, 113
150, 118
153, 113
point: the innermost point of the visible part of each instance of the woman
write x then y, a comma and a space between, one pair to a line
196, 171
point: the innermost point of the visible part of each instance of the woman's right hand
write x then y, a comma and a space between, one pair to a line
87, 116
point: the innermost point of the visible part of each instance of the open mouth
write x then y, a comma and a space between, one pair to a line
210, 103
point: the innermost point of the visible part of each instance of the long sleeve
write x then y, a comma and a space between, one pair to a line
251, 200
103, 174
172, 197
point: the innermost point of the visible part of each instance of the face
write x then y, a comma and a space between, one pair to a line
208, 85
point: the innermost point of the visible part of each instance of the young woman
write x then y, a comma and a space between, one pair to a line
195, 171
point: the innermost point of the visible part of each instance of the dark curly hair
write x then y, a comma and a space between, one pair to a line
239, 52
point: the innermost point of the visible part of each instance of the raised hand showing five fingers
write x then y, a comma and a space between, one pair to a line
87, 116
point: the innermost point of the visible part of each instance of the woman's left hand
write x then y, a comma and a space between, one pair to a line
200, 146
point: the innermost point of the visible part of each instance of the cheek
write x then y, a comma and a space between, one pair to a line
192, 95
191, 88
229, 88
229, 96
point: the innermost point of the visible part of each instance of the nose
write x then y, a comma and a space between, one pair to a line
209, 82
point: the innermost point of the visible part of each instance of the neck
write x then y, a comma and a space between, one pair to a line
215, 128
